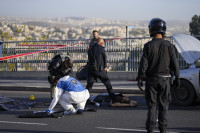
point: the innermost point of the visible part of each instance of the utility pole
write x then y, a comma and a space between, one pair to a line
1, 43
126, 53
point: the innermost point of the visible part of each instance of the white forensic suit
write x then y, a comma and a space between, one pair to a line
68, 91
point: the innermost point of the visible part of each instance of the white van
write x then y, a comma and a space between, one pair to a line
189, 90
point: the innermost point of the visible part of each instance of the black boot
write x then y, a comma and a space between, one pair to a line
163, 131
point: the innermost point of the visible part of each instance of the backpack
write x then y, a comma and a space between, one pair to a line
82, 73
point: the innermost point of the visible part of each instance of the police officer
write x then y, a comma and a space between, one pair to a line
157, 62
95, 39
57, 69
98, 67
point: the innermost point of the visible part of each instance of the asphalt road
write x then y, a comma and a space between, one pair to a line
105, 120
29, 84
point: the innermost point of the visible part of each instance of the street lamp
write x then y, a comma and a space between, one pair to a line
126, 53
1, 43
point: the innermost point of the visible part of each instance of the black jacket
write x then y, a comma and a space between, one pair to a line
97, 54
159, 58
93, 41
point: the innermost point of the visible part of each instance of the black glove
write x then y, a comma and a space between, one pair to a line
176, 82
140, 83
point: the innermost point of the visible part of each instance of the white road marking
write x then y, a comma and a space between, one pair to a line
25, 123
124, 129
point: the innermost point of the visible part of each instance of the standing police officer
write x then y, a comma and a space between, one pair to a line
95, 39
157, 62
98, 67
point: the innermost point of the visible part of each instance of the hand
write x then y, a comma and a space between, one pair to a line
140, 83
105, 69
176, 82
49, 111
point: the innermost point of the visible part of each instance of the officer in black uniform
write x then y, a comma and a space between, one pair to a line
157, 62
98, 67
95, 39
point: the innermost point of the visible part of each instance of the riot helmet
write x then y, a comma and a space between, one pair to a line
156, 26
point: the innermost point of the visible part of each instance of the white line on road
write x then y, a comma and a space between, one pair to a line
25, 123
124, 129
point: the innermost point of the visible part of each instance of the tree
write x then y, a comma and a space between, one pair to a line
195, 25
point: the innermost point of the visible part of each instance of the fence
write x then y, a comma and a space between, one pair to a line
122, 54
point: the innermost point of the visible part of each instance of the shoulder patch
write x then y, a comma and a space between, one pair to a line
73, 81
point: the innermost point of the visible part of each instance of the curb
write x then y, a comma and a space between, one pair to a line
45, 89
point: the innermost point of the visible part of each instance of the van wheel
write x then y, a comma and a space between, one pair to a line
184, 95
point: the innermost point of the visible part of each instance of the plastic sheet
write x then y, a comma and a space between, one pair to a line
8, 104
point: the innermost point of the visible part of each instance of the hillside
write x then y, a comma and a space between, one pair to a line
17, 28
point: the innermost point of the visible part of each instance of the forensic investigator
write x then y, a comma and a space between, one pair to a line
97, 61
157, 62
69, 91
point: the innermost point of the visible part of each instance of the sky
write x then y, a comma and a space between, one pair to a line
105, 9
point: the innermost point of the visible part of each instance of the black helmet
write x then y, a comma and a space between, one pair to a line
157, 25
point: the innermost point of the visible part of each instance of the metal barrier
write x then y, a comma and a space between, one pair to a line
122, 54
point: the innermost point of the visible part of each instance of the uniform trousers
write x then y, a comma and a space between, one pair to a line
103, 76
157, 95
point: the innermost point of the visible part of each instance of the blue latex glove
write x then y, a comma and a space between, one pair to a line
49, 111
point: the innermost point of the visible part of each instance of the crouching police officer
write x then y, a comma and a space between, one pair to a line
158, 60
98, 67
57, 69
